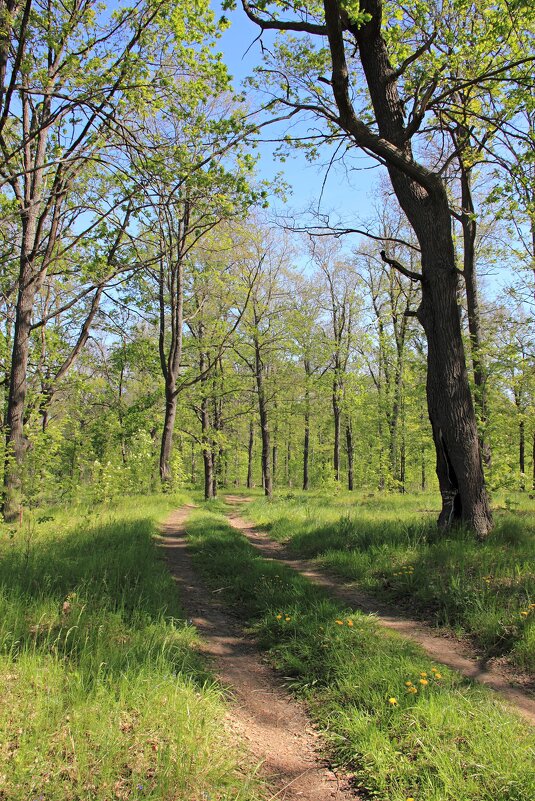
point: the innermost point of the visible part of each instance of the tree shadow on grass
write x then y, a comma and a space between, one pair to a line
99, 598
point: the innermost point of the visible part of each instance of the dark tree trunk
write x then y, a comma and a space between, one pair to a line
350, 454
250, 455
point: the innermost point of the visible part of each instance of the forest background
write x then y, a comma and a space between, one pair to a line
176, 314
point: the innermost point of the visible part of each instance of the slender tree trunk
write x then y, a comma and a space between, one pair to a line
337, 414
166, 446
275, 456
306, 442
288, 459
350, 453
264, 421
193, 464
250, 455
469, 228
306, 450
522, 452
533, 461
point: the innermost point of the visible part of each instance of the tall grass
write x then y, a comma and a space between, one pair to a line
390, 546
104, 694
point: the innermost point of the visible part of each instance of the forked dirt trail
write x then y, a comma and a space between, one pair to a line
274, 725
442, 649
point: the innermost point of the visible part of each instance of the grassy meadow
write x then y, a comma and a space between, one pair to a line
104, 696
404, 727
389, 545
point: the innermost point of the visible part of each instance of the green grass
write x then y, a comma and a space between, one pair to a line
449, 741
390, 546
104, 694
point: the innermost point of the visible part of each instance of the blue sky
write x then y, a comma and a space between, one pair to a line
352, 194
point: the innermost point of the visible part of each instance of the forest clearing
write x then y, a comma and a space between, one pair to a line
267, 382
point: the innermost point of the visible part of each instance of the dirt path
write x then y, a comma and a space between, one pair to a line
274, 725
445, 650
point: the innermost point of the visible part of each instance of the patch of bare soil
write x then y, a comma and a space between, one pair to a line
446, 650
275, 727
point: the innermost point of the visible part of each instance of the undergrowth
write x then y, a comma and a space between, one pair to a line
401, 725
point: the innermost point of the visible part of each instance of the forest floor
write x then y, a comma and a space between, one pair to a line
518, 688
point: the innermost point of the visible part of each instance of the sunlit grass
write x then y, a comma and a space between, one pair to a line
389, 544
104, 694
402, 725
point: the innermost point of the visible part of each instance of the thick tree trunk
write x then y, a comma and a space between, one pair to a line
250, 455
423, 197
450, 407
350, 455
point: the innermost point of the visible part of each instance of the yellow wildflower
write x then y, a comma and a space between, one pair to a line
340, 622
349, 622
424, 682
438, 675
287, 618
408, 684
524, 614
423, 674
412, 690
279, 617
393, 701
